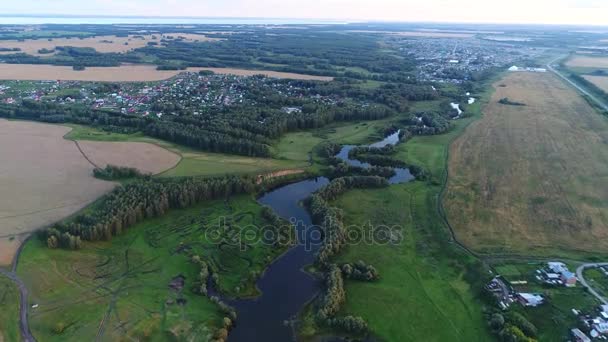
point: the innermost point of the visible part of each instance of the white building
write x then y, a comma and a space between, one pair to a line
530, 299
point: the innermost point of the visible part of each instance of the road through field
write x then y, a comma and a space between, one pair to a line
581, 278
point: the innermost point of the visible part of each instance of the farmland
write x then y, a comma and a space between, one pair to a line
588, 62
529, 179
145, 157
50, 175
192, 162
103, 44
599, 81
123, 73
50, 169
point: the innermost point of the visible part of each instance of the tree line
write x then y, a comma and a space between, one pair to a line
128, 205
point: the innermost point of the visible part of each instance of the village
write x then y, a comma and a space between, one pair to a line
456, 60
194, 93
592, 323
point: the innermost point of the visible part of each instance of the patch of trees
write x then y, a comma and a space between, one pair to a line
282, 230
506, 101
329, 218
511, 326
334, 295
331, 300
73, 56
322, 53
3, 49
341, 169
200, 285
360, 271
127, 205
113, 172
45, 51
237, 130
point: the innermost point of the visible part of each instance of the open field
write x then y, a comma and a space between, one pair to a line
297, 146
124, 73
530, 179
43, 178
193, 162
419, 283
118, 290
145, 157
600, 81
588, 62
103, 44
9, 315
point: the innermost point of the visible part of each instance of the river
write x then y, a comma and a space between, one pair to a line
285, 286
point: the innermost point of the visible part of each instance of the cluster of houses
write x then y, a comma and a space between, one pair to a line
553, 273
506, 295
595, 326
453, 60
193, 92
556, 273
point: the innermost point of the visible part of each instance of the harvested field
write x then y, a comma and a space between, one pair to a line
43, 178
600, 81
124, 73
588, 62
148, 158
531, 179
103, 44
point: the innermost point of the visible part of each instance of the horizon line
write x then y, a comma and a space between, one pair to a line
329, 20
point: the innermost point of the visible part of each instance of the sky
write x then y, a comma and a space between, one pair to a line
573, 12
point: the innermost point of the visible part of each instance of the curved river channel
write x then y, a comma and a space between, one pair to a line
285, 286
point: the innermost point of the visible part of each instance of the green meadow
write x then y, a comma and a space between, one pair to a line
109, 290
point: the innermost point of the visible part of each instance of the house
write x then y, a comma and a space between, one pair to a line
568, 278
601, 328
579, 336
530, 299
557, 267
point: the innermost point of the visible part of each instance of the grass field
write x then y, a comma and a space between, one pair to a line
120, 289
598, 280
193, 162
297, 146
529, 179
421, 278
419, 283
9, 315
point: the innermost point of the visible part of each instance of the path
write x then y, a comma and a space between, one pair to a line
581, 278
24, 326
579, 88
